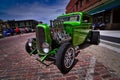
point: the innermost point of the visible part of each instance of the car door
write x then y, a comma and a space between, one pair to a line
81, 32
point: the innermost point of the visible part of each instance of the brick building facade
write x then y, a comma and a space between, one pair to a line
19, 23
79, 5
106, 11
22, 23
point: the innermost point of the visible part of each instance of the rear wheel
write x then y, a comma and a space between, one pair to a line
95, 37
65, 58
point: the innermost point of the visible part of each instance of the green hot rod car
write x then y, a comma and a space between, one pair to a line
60, 40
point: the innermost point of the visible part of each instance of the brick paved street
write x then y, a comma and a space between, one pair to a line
17, 64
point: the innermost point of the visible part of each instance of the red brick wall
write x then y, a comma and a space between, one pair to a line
71, 5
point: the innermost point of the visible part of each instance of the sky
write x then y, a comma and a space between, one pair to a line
40, 10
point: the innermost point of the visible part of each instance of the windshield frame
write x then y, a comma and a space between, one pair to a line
67, 18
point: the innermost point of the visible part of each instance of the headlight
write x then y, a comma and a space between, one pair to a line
46, 47
45, 50
30, 44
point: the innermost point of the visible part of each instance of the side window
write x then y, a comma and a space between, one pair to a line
86, 19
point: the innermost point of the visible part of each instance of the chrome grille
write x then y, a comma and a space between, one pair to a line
40, 37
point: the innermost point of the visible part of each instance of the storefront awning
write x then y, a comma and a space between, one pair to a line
106, 6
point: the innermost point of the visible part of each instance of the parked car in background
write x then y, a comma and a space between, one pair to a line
8, 32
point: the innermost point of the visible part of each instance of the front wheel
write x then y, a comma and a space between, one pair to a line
65, 57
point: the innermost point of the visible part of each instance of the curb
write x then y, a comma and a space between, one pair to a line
111, 39
111, 45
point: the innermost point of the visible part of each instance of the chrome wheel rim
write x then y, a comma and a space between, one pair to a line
69, 57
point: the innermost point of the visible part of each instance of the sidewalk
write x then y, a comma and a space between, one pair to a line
110, 39
110, 56
110, 33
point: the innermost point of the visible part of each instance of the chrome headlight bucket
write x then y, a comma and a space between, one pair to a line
45, 47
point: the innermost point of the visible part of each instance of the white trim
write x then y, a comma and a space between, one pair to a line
98, 12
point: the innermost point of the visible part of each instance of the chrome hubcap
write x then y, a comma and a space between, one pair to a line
69, 57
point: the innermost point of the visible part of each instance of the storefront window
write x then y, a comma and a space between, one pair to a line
107, 16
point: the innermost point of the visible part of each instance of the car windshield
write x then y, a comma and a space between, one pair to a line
70, 18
